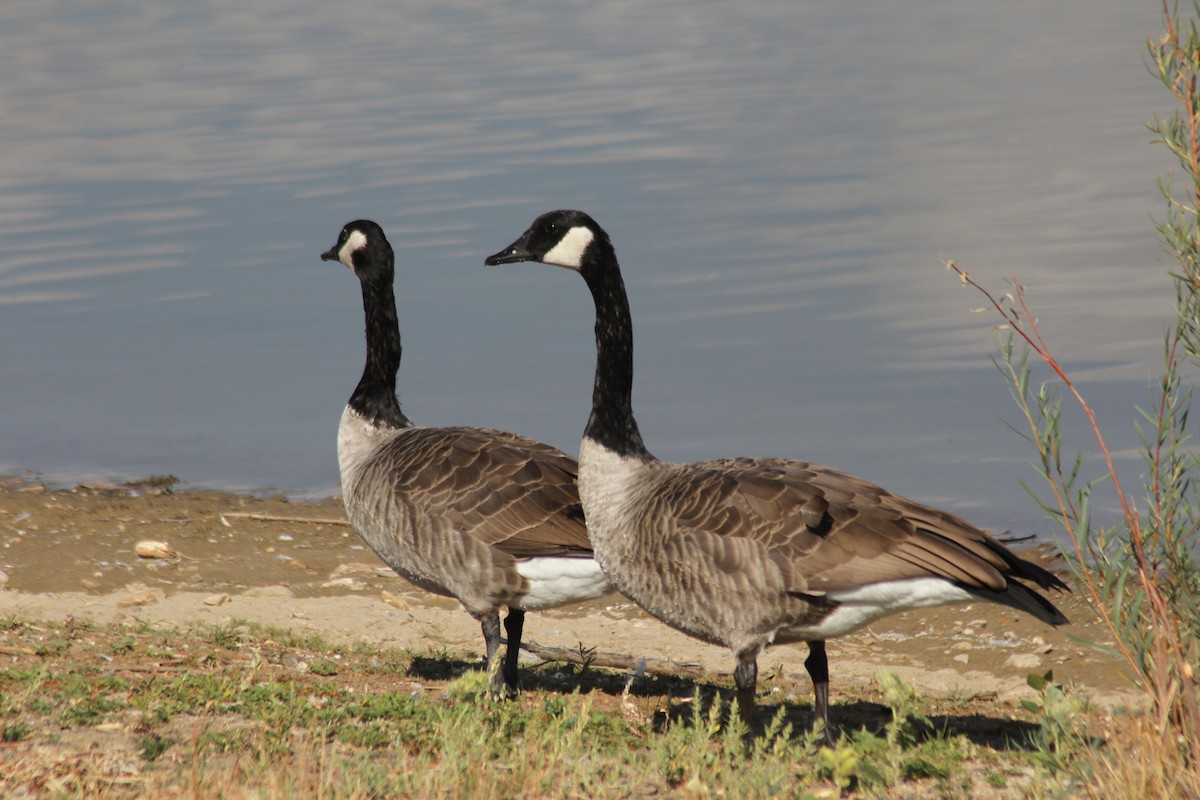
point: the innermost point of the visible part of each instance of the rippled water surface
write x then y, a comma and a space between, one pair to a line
782, 184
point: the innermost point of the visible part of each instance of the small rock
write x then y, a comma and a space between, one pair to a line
962, 658
348, 583
217, 599
1024, 661
294, 661
141, 598
3, 577
355, 568
153, 549
393, 601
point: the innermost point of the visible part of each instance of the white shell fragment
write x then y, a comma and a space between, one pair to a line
153, 549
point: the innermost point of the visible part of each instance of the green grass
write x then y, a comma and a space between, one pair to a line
223, 717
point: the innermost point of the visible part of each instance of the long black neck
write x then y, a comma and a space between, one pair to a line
375, 396
611, 422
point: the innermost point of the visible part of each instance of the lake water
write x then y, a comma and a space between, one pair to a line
781, 182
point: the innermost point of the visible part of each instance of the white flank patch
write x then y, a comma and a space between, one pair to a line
555, 581
868, 603
570, 249
356, 241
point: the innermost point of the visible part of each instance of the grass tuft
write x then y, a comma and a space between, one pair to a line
246, 725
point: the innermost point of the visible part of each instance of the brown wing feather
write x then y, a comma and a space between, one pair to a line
501, 489
826, 530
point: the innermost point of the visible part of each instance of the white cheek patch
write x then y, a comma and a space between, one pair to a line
570, 249
354, 242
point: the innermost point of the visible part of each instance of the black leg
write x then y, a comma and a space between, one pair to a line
514, 623
491, 640
745, 677
817, 665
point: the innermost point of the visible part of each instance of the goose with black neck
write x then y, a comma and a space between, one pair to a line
748, 552
488, 517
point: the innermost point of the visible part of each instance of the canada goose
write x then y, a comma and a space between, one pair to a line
487, 517
746, 552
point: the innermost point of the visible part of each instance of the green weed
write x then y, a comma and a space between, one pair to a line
1141, 570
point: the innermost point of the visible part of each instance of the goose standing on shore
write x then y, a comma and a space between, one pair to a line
490, 518
746, 552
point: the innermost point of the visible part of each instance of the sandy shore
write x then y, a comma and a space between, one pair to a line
71, 553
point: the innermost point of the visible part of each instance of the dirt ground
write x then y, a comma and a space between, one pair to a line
72, 553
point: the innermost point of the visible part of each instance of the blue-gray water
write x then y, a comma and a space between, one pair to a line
782, 183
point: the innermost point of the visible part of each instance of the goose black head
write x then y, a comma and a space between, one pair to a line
560, 238
363, 248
